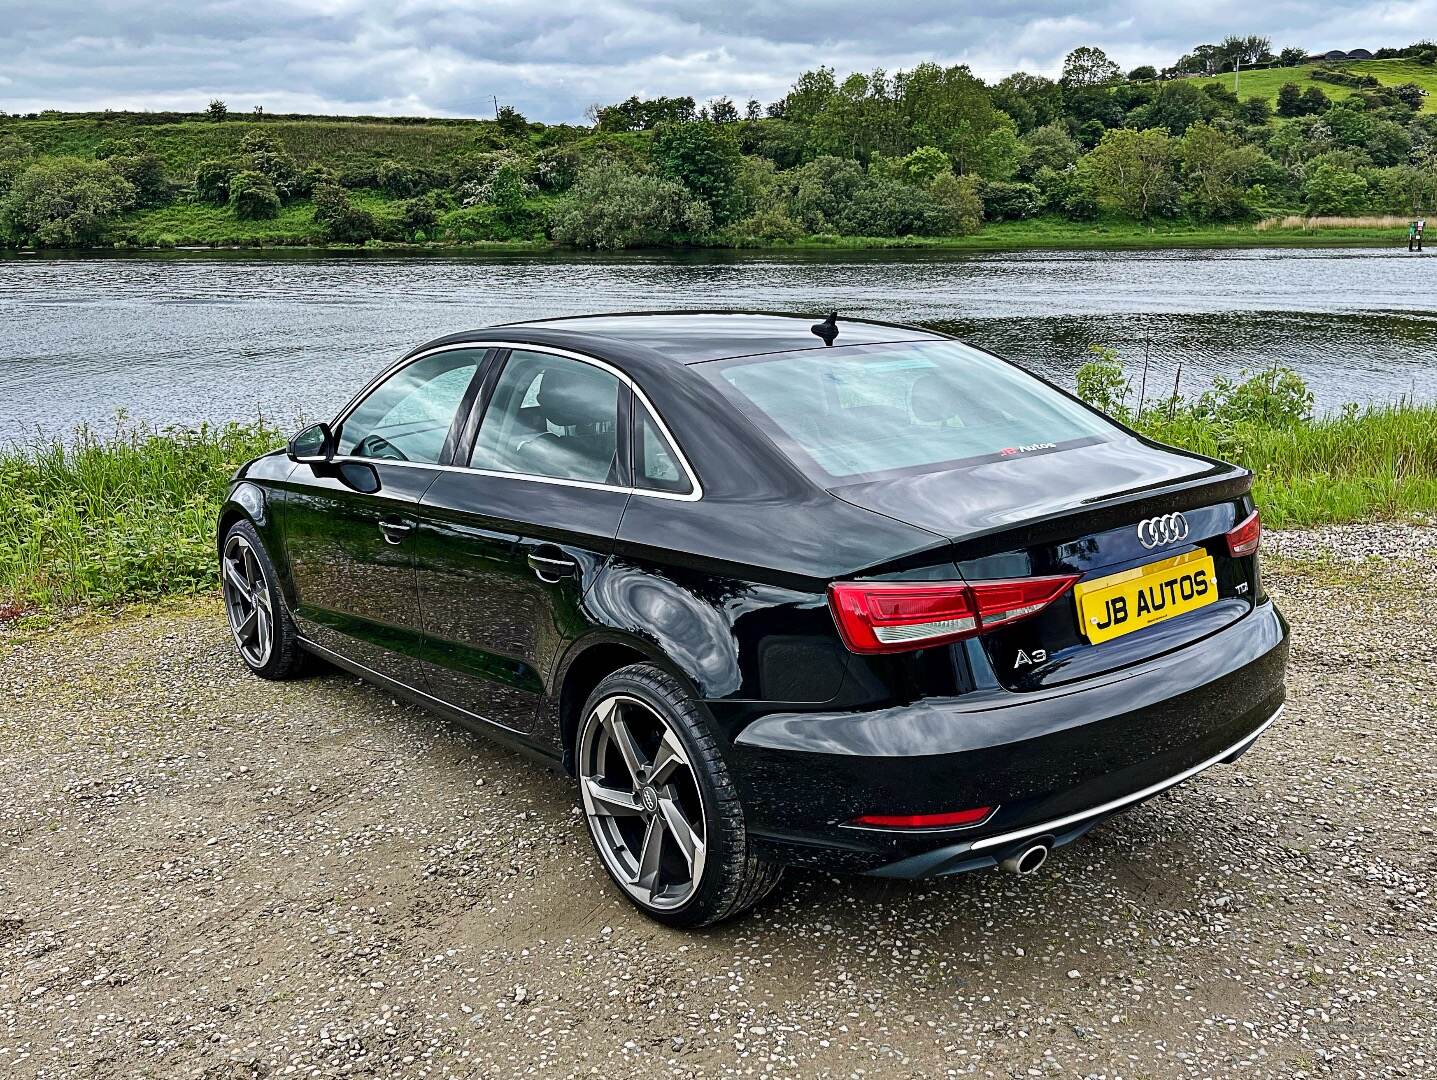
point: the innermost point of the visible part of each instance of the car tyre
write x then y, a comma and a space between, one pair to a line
650, 772
259, 620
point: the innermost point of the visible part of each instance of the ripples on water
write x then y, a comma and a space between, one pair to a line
213, 336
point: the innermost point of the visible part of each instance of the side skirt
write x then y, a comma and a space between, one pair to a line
505, 736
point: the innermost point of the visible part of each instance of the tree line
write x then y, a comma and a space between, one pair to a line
932, 151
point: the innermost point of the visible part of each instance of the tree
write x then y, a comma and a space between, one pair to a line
1176, 105
962, 205
1330, 189
339, 219
1314, 101
753, 110
63, 202
420, 214
1255, 110
705, 159
721, 110
820, 190
252, 196
1246, 51
1031, 100
217, 110
1088, 65
1291, 57
807, 98
511, 122
1050, 147
1216, 170
951, 109
1132, 170
1289, 99
639, 115
611, 206
1143, 73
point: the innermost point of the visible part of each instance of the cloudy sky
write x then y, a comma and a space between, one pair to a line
552, 58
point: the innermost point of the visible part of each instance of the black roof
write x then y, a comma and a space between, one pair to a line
691, 337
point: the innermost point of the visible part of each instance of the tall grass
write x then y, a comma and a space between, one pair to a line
1379, 462
1344, 221
129, 514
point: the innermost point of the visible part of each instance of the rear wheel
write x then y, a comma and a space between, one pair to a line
661, 808
263, 631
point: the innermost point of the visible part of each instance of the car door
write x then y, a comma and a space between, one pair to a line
348, 523
507, 548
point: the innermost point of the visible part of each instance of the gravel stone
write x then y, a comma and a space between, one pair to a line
204, 875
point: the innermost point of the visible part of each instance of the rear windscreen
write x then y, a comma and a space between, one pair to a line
865, 410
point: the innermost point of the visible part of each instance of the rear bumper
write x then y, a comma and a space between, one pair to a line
1053, 763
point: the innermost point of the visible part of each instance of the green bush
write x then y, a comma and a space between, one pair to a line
339, 219
884, 207
63, 202
1010, 200
252, 196
1330, 189
611, 206
212, 181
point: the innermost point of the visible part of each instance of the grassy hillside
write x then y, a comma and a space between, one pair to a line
1265, 82
184, 143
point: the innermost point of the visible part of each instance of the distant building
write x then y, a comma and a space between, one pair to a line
1338, 54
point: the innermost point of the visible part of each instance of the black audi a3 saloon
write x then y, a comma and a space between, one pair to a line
845, 595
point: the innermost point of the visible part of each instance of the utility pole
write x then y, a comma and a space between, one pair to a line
496, 105
1236, 67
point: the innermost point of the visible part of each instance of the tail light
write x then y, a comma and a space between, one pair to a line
1244, 539
891, 616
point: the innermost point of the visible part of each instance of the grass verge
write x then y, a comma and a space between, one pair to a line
102, 519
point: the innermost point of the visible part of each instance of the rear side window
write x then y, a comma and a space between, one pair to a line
656, 463
868, 410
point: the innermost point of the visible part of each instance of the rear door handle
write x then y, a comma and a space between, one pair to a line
394, 532
551, 569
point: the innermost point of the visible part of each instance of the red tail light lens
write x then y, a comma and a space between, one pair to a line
1244, 539
925, 821
891, 616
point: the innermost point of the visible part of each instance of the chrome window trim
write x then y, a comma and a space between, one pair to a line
695, 495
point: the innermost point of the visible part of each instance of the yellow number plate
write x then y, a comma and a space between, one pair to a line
1121, 603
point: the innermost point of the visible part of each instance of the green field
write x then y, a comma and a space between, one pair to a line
183, 144
1265, 82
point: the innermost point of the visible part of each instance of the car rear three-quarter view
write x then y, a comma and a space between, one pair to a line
851, 595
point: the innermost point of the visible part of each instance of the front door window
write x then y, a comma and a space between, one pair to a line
408, 416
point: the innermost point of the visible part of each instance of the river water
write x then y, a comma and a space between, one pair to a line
186, 337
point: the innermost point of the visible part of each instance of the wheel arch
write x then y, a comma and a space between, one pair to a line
590, 661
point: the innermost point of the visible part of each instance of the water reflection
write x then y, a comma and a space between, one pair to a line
183, 338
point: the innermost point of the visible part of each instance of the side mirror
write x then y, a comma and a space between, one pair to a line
312, 446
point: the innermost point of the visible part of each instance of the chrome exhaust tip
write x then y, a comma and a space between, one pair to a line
1027, 860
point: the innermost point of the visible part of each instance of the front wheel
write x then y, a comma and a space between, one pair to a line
260, 623
661, 808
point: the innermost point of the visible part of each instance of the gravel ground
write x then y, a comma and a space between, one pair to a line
205, 875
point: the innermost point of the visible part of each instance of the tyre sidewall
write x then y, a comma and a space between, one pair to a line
726, 846
284, 653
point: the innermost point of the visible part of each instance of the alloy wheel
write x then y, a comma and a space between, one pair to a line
247, 601
642, 801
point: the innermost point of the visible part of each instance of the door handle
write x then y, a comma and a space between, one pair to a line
394, 532
551, 569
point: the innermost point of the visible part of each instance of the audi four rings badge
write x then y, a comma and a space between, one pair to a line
1164, 529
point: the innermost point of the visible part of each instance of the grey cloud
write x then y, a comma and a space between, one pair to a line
551, 60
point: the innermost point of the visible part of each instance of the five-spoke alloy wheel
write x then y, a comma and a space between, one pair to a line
660, 804
263, 631
247, 601
643, 803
